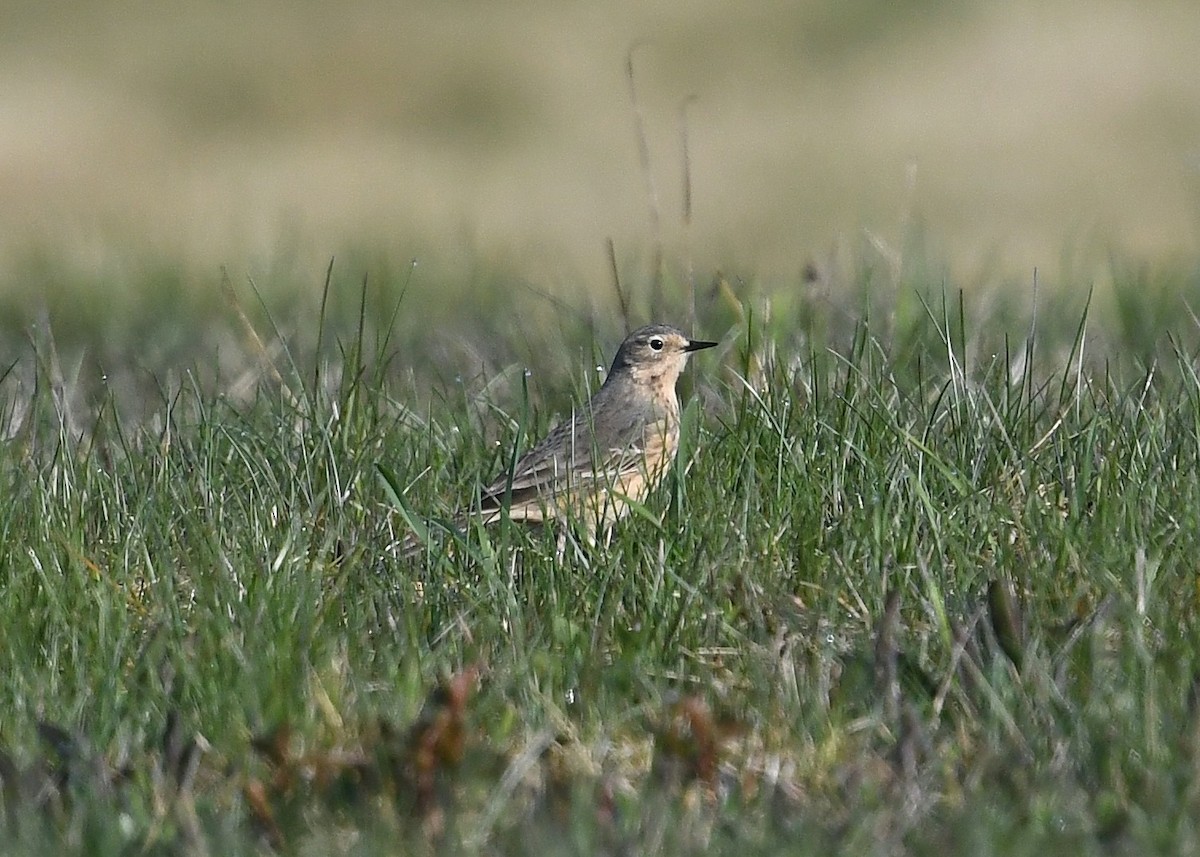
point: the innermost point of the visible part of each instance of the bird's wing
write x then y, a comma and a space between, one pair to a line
569, 459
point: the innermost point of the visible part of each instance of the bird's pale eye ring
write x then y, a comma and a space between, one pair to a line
656, 343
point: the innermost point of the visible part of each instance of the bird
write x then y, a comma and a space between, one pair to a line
611, 452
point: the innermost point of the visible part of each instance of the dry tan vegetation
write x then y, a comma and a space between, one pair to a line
503, 133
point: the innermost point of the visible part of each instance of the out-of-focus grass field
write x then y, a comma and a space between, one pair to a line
502, 135
924, 578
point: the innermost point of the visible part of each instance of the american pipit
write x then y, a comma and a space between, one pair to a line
611, 452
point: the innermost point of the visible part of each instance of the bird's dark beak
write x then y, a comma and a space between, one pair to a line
698, 345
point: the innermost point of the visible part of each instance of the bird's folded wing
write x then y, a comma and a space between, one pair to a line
567, 461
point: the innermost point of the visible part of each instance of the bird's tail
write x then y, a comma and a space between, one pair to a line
434, 534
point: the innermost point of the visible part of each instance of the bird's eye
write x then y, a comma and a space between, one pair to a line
656, 343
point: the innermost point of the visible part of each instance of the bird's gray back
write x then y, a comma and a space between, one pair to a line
608, 434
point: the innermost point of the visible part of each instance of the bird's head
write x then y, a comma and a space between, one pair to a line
656, 352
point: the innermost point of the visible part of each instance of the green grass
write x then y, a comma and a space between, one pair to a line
921, 583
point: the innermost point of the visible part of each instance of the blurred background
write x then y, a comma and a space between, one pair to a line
468, 134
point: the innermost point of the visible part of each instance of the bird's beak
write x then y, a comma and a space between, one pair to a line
698, 345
